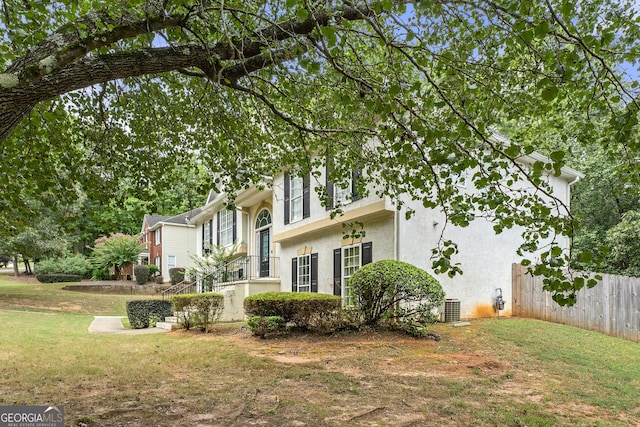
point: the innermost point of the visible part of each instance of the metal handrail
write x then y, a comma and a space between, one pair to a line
239, 269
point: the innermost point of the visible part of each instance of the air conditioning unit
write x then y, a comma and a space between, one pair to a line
451, 310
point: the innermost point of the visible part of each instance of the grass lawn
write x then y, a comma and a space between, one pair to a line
506, 372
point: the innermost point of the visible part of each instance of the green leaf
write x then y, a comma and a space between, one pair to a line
549, 93
542, 29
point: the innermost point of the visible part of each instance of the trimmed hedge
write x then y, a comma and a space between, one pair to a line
299, 308
176, 275
142, 273
58, 278
142, 313
267, 325
198, 309
76, 264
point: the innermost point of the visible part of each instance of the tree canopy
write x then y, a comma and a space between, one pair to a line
94, 92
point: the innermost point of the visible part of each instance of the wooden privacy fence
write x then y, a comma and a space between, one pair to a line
612, 307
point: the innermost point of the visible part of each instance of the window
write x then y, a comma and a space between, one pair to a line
296, 199
263, 219
226, 227
304, 273
340, 195
171, 261
158, 263
350, 263
346, 261
207, 236
157, 236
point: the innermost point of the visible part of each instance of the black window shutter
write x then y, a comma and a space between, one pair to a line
329, 189
235, 225
367, 253
314, 272
306, 196
210, 234
354, 181
218, 229
287, 197
337, 272
294, 274
204, 240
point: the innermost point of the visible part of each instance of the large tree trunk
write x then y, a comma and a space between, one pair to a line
16, 268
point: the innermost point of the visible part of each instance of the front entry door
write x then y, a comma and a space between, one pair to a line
264, 252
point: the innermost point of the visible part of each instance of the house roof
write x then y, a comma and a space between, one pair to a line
212, 196
156, 221
152, 220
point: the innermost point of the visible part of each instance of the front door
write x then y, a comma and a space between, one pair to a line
264, 252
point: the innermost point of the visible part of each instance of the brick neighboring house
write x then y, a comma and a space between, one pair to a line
169, 241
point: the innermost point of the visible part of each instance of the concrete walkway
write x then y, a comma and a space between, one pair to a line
113, 325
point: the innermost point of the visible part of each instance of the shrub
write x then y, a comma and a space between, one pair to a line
299, 308
198, 309
176, 275
143, 312
142, 273
117, 251
395, 290
76, 264
159, 280
263, 326
153, 270
58, 278
343, 319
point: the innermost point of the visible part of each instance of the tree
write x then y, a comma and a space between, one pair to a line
624, 240
116, 251
254, 87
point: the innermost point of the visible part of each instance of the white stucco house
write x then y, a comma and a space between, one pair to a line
287, 241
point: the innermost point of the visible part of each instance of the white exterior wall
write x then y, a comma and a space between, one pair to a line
486, 258
321, 235
177, 240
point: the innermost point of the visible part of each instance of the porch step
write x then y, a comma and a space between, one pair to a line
170, 323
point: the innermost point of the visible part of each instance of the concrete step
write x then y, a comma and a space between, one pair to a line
171, 319
169, 326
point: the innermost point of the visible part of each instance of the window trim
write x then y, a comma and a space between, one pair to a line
175, 261
312, 272
299, 198
345, 279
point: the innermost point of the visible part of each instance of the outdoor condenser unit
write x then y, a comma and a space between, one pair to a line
451, 310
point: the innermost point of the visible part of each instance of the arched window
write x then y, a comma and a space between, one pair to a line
263, 219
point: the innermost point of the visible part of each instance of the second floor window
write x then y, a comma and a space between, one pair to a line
296, 199
226, 227
157, 236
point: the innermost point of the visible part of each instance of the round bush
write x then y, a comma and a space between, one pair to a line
142, 273
395, 289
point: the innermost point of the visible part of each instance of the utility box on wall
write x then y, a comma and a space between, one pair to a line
451, 310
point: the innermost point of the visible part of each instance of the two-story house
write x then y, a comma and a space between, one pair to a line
286, 240
315, 255
169, 241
